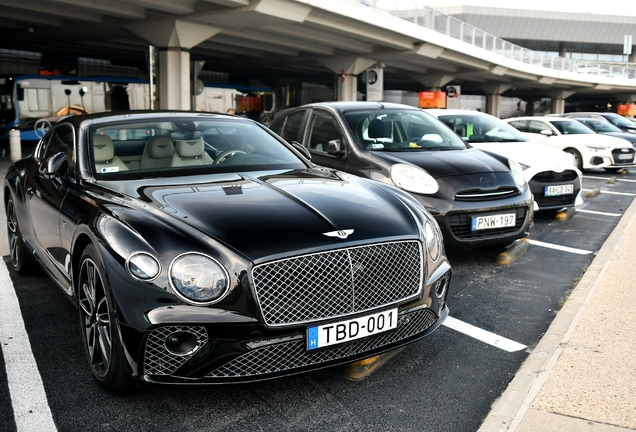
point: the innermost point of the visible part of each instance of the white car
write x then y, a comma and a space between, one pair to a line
591, 150
553, 176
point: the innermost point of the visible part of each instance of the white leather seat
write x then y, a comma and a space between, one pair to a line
157, 153
190, 153
105, 158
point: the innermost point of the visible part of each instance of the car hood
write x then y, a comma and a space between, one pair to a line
272, 214
448, 163
624, 135
594, 139
528, 153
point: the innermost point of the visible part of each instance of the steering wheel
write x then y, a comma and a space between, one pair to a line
41, 127
226, 155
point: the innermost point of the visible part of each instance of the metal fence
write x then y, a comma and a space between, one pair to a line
415, 12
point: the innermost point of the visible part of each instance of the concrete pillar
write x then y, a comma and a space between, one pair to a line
558, 100
530, 108
347, 70
174, 79
492, 104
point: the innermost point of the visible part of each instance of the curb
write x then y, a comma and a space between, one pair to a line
594, 192
565, 215
611, 180
507, 412
361, 369
514, 251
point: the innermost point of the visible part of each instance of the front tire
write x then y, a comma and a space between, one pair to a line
577, 157
20, 259
98, 323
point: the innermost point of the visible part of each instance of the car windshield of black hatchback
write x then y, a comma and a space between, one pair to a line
161, 147
401, 131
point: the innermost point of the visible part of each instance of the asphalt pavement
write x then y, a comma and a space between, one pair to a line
580, 376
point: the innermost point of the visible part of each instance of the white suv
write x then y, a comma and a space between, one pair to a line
591, 150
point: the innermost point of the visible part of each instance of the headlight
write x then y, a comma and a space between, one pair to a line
413, 179
597, 147
517, 172
433, 241
198, 279
143, 266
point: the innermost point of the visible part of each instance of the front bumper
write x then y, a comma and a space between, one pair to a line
542, 180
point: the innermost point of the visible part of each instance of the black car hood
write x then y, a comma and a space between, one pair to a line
625, 135
448, 162
267, 214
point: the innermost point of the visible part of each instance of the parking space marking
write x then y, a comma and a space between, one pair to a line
483, 335
30, 407
559, 247
599, 213
612, 193
606, 178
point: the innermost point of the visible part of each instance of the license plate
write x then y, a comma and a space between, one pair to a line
493, 221
559, 190
626, 156
344, 331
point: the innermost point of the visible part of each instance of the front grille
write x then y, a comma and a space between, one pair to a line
292, 355
564, 200
555, 177
485, 195
336, 283
624, 151
460, 225
158, 360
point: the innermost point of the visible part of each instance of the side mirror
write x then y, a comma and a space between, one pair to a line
302, 149
53, 165
546, 132
335, 148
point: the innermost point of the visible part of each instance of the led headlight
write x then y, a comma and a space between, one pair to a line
143, 266
517, 172
597, 147
413, 179
198, 279
433, 241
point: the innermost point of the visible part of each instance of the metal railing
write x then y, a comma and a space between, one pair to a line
415, 12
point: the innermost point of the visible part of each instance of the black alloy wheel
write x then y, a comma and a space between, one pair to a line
98, 323
20, 259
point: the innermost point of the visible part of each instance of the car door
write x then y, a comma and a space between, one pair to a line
321, 128
45, 193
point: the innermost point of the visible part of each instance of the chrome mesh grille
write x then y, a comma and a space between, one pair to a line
337, 283
158, 360
292, 355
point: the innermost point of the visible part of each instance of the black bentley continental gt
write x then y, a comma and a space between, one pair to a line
478, 198
204, 249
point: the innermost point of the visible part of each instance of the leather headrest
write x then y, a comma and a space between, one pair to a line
190, 148
160, 147
103, 148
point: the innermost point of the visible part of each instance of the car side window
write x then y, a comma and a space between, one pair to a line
323, 128
290, 128
520, 125
535, 126
61, 140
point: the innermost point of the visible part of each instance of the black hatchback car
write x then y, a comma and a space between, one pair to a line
477, 197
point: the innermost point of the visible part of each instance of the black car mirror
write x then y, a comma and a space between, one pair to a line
335, 148
302, 149
546, 132
53, 164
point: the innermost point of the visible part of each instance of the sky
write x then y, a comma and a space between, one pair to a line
605, 7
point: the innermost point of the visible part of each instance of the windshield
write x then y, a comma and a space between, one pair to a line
620, 121
401, 130
600, 126
571, 127
165, 147
482, 128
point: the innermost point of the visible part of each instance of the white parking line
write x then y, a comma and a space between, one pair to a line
561, 248
612, 193
483, 335
606, 178
599, 213
30, 407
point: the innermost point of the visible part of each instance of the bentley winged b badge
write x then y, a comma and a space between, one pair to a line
343, 234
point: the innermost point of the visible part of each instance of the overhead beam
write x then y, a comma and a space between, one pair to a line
50, 9
31, 17
302, 31
170, 6
245, 43
114, 9
277, 40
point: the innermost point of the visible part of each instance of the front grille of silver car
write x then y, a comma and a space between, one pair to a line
292, 355
486, 195
158, 360
337, 283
